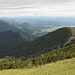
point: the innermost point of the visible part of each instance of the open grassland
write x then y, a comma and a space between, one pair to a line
64, 67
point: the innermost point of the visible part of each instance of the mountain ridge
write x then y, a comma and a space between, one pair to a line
56, 39
52, 40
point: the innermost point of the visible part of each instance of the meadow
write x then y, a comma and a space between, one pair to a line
64, 67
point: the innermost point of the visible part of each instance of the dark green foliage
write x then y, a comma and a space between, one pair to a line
53, 56
10, 62
11, 42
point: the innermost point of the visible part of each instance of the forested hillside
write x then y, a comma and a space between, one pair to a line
16, 44
11, 42
56, 39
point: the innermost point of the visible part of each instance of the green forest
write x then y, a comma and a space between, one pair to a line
53, 56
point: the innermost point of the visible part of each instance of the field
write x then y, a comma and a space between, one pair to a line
64, 67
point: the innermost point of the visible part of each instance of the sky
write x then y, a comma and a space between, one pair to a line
37, 8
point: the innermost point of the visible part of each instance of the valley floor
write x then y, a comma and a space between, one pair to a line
64, 67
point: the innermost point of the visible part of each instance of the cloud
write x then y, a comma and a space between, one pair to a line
37, 7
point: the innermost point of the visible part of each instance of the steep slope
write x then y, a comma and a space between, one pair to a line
56, 39
11, 42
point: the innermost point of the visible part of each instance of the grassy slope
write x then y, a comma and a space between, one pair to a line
65, 67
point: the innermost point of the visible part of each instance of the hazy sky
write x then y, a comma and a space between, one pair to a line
37, 7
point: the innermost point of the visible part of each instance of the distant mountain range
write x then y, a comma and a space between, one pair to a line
42, 21
4, 26
14, 43
36, 26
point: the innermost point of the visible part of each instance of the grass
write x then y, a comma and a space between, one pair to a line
64, 67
